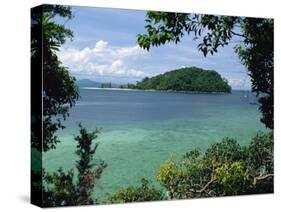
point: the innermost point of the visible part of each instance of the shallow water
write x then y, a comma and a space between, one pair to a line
141, 129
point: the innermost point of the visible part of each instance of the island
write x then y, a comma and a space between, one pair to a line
87, 83
187, 79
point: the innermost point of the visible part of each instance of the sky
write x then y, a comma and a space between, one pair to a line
104, 49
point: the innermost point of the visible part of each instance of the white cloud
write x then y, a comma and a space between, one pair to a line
130, 51
103, 61
237, 83
101, 45
117, 64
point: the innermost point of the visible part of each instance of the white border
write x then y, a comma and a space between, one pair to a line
15, 102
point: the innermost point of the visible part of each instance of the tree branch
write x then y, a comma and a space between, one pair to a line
237, 34
206, 186
262, 178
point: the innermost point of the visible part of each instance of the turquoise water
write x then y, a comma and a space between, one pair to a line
141, 129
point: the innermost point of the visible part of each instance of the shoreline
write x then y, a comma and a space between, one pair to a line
154, 90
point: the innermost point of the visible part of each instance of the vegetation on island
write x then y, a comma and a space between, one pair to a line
106, 85
186, 79
82, 83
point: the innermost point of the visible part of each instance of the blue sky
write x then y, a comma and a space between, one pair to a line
105, 49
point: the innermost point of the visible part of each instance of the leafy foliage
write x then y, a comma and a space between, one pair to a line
256, 54
141, 193
260, 154
226, 151
225, 168
88, 170
186, 79
233, 178
170, 175
61, 188
255, 48
59, 91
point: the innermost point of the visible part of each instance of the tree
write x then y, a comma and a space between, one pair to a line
52, 84
143, 192
224, 169
255, 49
59, 89
88, 169
61, 188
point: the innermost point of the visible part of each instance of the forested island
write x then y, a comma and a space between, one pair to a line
191, 79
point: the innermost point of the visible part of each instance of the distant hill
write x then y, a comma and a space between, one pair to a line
186, 79
88, 83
